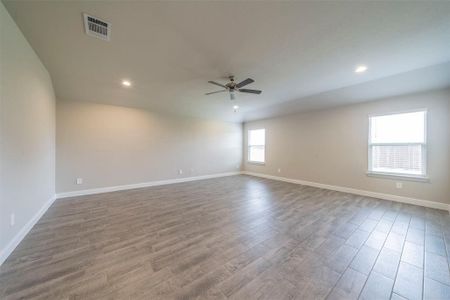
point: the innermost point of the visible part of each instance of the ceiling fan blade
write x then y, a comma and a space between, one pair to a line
244, 82
250, 91
221, 91
216, 83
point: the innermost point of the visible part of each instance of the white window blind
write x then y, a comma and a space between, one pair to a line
397, 144
256, 145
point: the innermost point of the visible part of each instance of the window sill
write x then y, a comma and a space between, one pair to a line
417, 178
256, 163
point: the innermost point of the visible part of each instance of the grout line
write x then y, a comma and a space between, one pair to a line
423, 256
447, 250
371, 270
348, 266
339, 206
437, 254
400, 260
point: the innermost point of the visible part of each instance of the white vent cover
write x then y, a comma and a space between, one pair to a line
96, 27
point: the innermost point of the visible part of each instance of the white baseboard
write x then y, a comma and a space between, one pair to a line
141, 185
402, 199
27, 227
24, 231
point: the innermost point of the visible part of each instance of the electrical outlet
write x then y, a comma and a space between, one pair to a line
399, 185
79, 181
12, 220
279, 170
180, 172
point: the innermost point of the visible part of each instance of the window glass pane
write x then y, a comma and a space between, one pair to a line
404, 159
257, 137
398, 128
256, 153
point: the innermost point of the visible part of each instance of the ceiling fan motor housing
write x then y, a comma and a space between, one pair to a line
231, 85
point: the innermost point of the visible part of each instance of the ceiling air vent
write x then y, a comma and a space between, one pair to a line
97, 28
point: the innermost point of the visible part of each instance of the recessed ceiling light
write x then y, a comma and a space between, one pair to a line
361, 69
126, 83
235, 108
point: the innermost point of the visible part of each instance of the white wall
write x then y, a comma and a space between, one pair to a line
110, 145
27, 134
330, 146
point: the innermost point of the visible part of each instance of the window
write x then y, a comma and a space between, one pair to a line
256, 145
397, 144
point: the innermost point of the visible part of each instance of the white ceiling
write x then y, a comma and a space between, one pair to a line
301, 54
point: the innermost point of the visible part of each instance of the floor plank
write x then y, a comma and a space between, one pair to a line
236, 237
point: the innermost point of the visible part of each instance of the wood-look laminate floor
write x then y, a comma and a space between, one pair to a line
236, 237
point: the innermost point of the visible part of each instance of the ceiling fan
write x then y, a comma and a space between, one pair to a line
232, 87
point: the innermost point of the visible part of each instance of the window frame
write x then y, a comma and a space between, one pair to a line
395, 175
249, 146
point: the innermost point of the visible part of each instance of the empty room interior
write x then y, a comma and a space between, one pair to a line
224, 149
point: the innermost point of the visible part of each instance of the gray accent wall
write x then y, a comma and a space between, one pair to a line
27, 134
330, 146
109, 146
